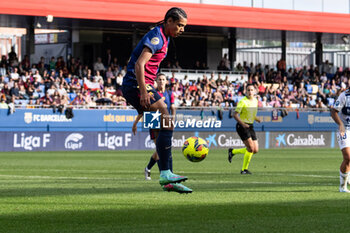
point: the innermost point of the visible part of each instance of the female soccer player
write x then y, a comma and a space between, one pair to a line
138, 88
245, 115
340, 113
168, 99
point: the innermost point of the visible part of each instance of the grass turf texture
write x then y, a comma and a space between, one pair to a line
291, 190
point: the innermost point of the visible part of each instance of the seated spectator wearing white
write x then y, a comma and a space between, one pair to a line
64, 100
38, 76
323, 77
185, 80
51, 90
23, 92
123, 71
61, 90
3, 104
14, 74
119, 80
98, 66
98, 77
312, 101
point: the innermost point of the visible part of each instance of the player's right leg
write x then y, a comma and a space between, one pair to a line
244, 135
154, 158
344, 170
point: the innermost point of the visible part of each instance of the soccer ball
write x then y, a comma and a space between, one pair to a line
195, 149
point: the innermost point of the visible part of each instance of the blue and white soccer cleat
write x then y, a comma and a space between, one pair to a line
177, 188
171, 178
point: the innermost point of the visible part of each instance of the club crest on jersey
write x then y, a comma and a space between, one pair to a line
155, 41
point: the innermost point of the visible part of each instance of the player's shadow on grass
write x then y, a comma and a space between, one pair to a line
181, 215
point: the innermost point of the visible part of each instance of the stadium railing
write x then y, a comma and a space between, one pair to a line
104, 107
193, 75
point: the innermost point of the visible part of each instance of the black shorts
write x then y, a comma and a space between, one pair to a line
152, 134
132, 96
244, 133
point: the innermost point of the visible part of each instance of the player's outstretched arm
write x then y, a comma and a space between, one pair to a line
257, 119
134, 126
336, 118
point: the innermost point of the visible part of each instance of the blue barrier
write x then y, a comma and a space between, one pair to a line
121, 120
101, 141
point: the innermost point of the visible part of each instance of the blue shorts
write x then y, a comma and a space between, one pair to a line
132, 96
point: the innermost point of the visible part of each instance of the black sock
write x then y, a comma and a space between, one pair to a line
151, 163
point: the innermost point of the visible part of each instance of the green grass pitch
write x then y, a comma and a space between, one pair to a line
291, 190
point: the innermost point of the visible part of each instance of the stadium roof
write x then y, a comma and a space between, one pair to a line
249, 21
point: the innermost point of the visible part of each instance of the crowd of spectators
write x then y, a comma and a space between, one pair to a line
56, 84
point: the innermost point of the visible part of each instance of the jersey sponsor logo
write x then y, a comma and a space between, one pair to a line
337, 103
155, 40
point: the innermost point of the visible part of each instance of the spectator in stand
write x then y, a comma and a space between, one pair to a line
14, 74
25, 64
176, 65
115, 65
79, 99
98, 66
14, 92
327, 67
281, 66
12, 55
52, 63
226, 62
98, 78
60, 64
3, 104
108, 58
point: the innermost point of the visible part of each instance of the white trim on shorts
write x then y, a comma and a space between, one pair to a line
345, 140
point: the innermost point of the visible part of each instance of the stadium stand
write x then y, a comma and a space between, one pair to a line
73, 83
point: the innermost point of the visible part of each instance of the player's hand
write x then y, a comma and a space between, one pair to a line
246, 126
258, 119
342, 130
145, 100
134, 129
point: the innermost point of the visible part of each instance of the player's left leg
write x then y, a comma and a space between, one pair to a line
252, 148
344, 170
164, 145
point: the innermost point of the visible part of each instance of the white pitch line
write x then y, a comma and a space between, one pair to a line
267, 174
303, 175
195, 181
62, 177
59, 170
